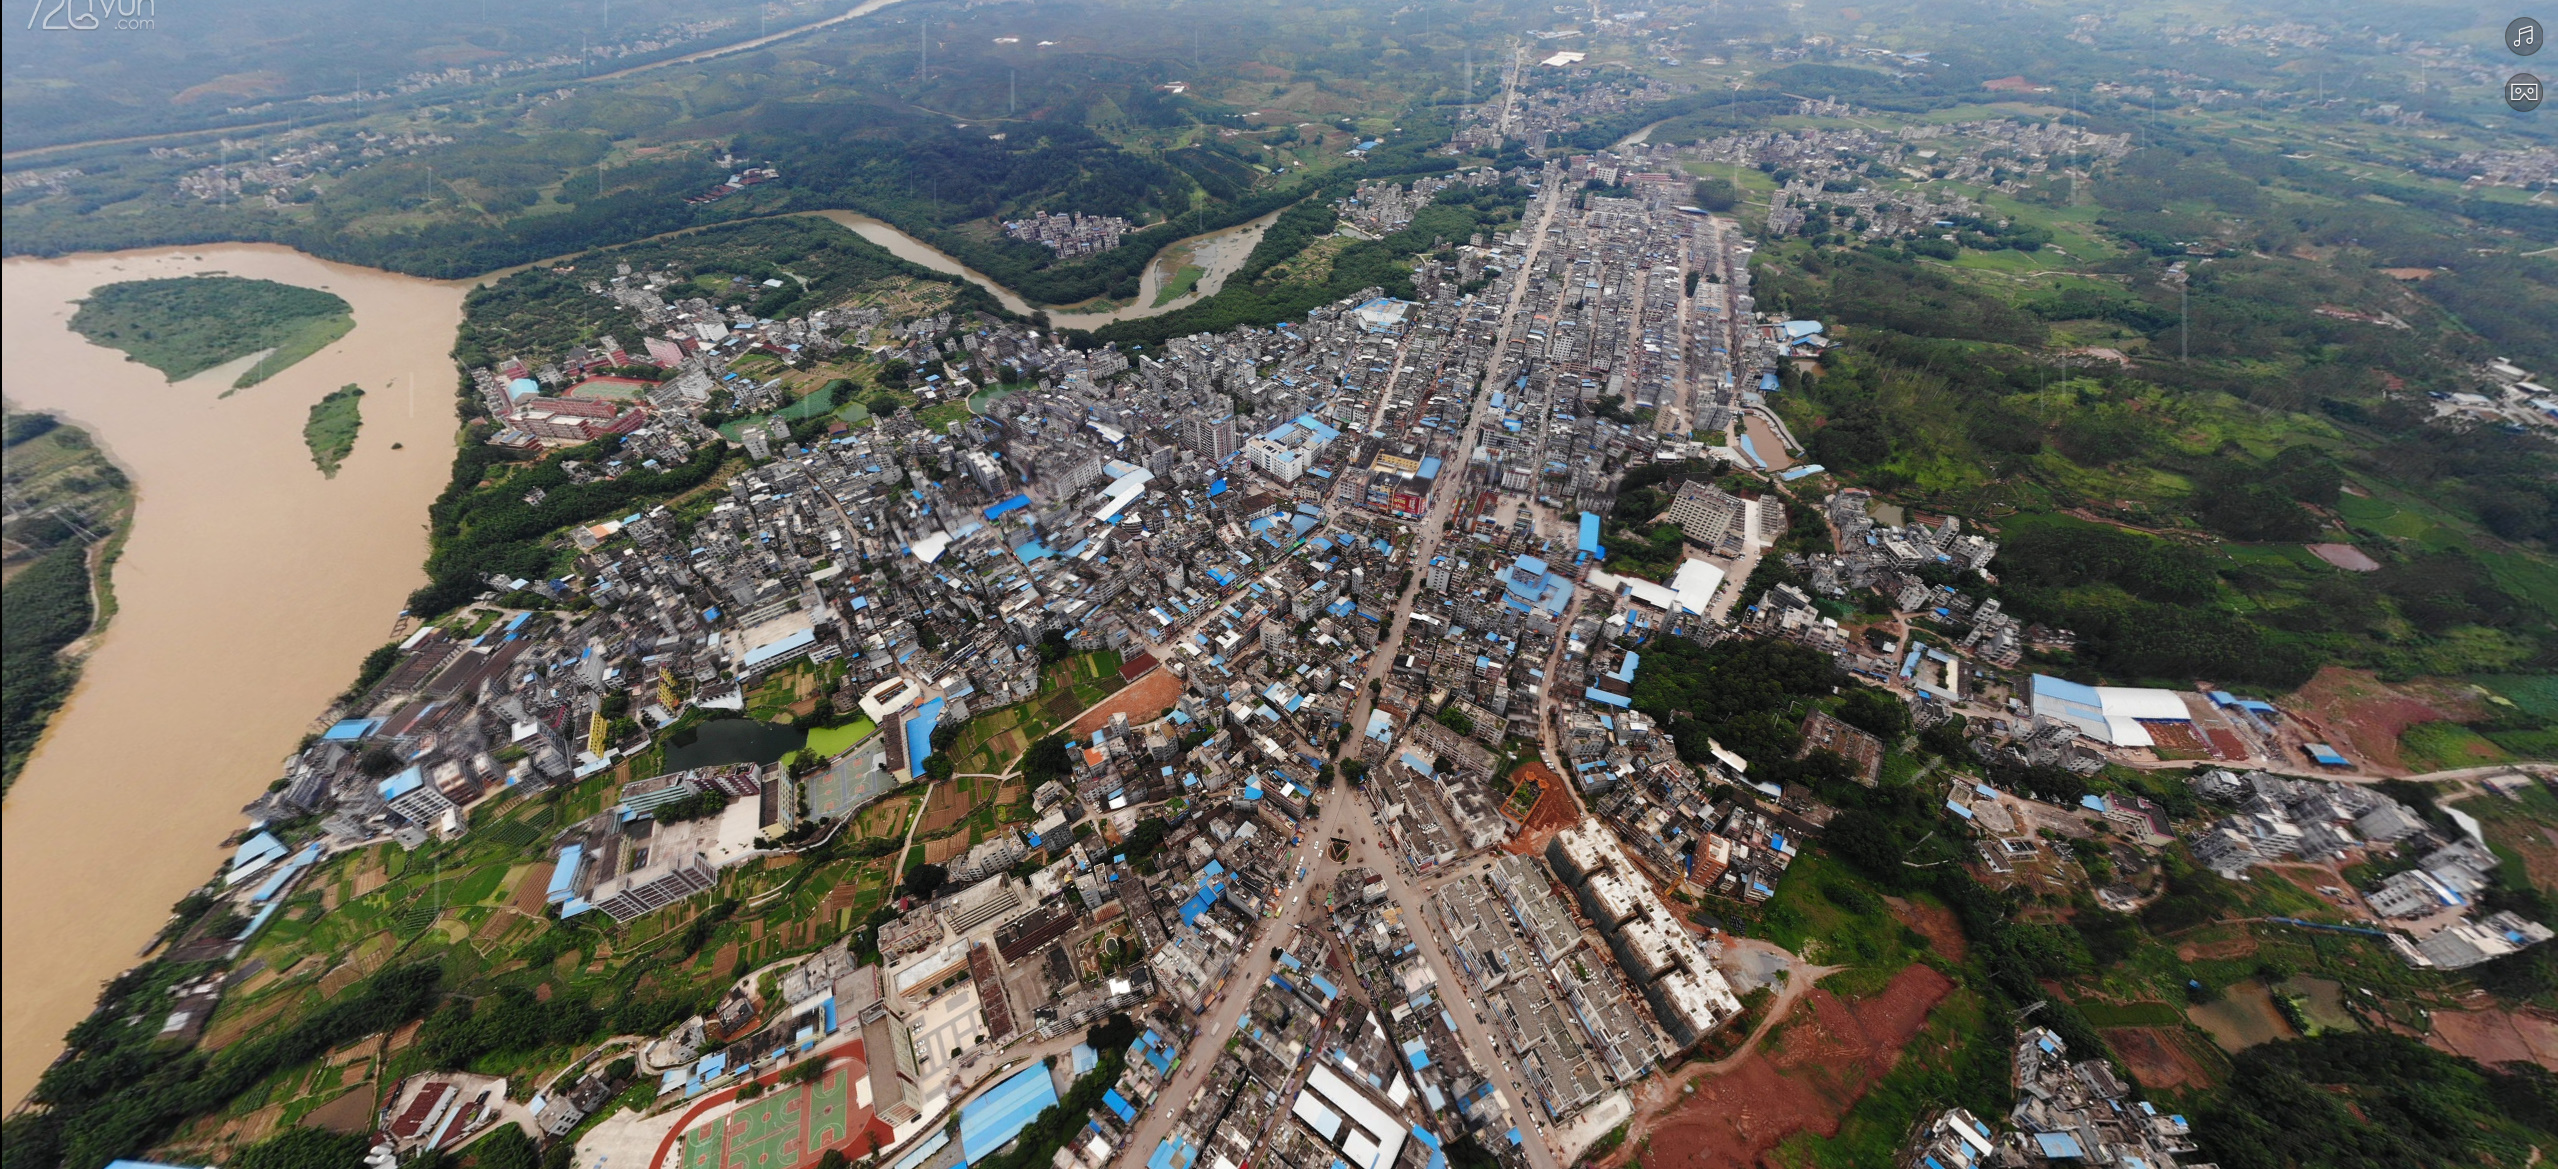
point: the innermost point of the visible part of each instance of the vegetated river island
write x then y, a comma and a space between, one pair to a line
249, 590
190, 324
331, 430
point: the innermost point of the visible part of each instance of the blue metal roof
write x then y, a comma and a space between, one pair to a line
989, 1122
919, 734
2059, 1145
564, 874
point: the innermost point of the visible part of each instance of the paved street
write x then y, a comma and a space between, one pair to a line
1340, 813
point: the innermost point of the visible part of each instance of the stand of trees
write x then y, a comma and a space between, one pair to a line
44, 609
1740, 692
116, 1093
482, 529
465, 1031
2373, 1100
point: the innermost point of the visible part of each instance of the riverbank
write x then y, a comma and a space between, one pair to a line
1217, 254
248, 590
75, 505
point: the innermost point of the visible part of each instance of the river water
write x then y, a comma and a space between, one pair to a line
1219, 253
249, 591
251, 587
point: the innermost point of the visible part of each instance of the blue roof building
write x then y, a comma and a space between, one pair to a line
919, 734
1590, 537
1529, 586
994, 1119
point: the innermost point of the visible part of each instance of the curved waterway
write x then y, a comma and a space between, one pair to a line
248, 593
252, 587
1217, 253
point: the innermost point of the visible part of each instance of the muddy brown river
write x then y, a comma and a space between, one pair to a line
251, 587
248, 593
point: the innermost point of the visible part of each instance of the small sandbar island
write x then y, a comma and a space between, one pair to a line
248, 590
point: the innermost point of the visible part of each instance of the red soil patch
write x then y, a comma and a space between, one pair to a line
2358, 711
2182, 738
2494, 1037
1553, 812
1944, 934
2158, 1058
1143, 700
1823, 1062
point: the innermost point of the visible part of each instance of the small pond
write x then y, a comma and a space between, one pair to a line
732, 740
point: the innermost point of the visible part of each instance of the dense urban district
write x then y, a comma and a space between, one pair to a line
1849, 648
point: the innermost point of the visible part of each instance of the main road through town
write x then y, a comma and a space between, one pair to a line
1339, 819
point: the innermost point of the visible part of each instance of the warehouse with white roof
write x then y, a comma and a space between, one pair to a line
2108, 714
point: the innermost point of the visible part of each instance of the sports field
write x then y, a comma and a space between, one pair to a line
789, 1128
